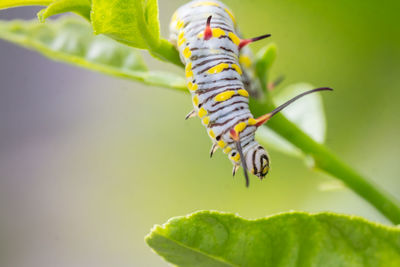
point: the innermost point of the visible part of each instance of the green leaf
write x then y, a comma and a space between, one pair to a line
151, 18
135, 23
288, 239
307, 113
81, 7
71, 40
16, 3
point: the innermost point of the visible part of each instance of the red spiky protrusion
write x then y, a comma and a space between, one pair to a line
263, 119
245, 42
234, 135
208, 30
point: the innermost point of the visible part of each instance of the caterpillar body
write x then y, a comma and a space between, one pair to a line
220, 79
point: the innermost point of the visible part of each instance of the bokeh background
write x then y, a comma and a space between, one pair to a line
88, 163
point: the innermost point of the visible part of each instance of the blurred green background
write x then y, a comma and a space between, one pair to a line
88, 163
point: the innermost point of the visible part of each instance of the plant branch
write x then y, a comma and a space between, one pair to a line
326, 161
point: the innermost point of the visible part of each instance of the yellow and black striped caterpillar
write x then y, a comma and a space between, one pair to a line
220, 79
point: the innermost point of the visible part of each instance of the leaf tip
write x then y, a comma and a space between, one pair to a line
151, 234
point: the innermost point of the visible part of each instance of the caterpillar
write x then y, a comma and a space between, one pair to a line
220, 77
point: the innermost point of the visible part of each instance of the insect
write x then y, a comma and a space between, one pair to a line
220, 79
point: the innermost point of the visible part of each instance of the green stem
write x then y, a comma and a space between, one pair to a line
18, 3
328, 162
323, 158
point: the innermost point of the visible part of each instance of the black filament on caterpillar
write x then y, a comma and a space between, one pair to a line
218, 65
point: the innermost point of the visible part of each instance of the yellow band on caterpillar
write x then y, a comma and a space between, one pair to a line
217, 32
227, 150
240, 127
218, 68
221, 144
186, 52
211, 134
202, 112
192, 86
243, 92
224, 96
245, 61
188, 70
230, 15
237, 68
234, 38
252, 121
195, 100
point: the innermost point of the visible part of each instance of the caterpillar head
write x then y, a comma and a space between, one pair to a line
256, 158
253, 157
257, 161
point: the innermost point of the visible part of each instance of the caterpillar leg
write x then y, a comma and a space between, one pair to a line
235, 168
191, 114
213, 149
